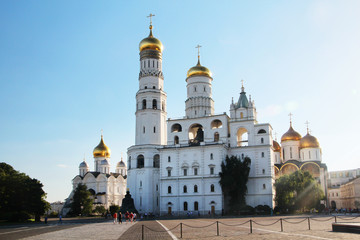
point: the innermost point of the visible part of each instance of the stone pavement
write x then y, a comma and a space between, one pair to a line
152, 230
103, 231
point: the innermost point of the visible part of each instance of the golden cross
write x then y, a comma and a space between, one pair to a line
150, 16
102, 132
290, 114
307, 126
198, 47
242, 82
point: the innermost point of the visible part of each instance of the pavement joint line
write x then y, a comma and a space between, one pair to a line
168, 231
22, 230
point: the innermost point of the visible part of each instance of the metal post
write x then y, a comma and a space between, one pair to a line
217, 228
335, 220
142, 232
250, 226
180, 230
281, 225
309, 222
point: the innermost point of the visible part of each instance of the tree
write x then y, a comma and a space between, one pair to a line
100, 209
114, 208
298, 191
21, 197
81, 203
233, 179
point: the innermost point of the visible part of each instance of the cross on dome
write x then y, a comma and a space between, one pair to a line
150, 16
290, 115
307, 126
198, 47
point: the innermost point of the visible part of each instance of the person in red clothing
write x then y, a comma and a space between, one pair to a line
131, 217
126, 215
115, 217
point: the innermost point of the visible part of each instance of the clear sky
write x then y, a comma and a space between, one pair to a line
70, 68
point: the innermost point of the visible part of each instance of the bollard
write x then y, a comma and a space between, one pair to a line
309, 222
180, 230
335, 220
281, 224
250, 226
142, 232
217, 228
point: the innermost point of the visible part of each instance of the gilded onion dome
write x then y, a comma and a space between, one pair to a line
309, 141
151, 43
101, 150
291, 135
276, 146
199, 70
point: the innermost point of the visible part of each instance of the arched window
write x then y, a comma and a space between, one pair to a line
140, 161
176, 128
216, 124
129, 162
195, 188
262, 154
185, 189
211, 156
264, 186
196, 206
185, 206
169, 159
176, 140
212, 188
216, 137
262, 140
242, 137
169, 189
144, 104
156, 161
154, 129
154, 104
261, 131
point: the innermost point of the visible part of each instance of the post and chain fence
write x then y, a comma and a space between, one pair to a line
251, 223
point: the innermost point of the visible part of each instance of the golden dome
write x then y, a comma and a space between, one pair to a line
291, 135
151, 43
276, 146
199, 70
309, 141
101, 150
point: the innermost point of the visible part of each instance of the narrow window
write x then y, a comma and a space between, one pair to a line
211, 170
196, 206
143, 129
216, 137
263, 171
154, 129
140, 183
169, 173
153, 63
185, 189
154, 104
148, 63
194, 89
176, 140
157, 187
264, 186
169, 159
195, 112
144, 103
185, 172
262, 154
195, 188
212, 188
169, 189
204, 89
262, 140
140, 201
157, 64
290, 152
185, 206
195, 171
145, 87
211, 156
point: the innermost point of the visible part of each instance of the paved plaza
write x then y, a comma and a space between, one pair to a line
201, 228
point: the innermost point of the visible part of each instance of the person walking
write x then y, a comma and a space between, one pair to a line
60, 219
131, 217
120, 218
115, 217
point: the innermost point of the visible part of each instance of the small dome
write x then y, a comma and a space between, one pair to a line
102, 150
291, 135
120, 164
104, 162
151, 43
83, 164
309, 141
199, 70
276, 146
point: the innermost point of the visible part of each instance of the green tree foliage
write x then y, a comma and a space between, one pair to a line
100, 209
297, 191
21, 197
114, 208
82, 203
233, 179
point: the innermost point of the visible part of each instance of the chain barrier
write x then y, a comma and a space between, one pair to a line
234, 225
199, 227
347, 218
286, 220
265, 225
322, 220
162, 230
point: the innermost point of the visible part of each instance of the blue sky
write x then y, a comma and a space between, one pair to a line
70, 68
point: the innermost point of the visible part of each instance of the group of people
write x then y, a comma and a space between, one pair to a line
128, 216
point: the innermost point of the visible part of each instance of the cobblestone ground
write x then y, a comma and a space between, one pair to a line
152, 230
104, 231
